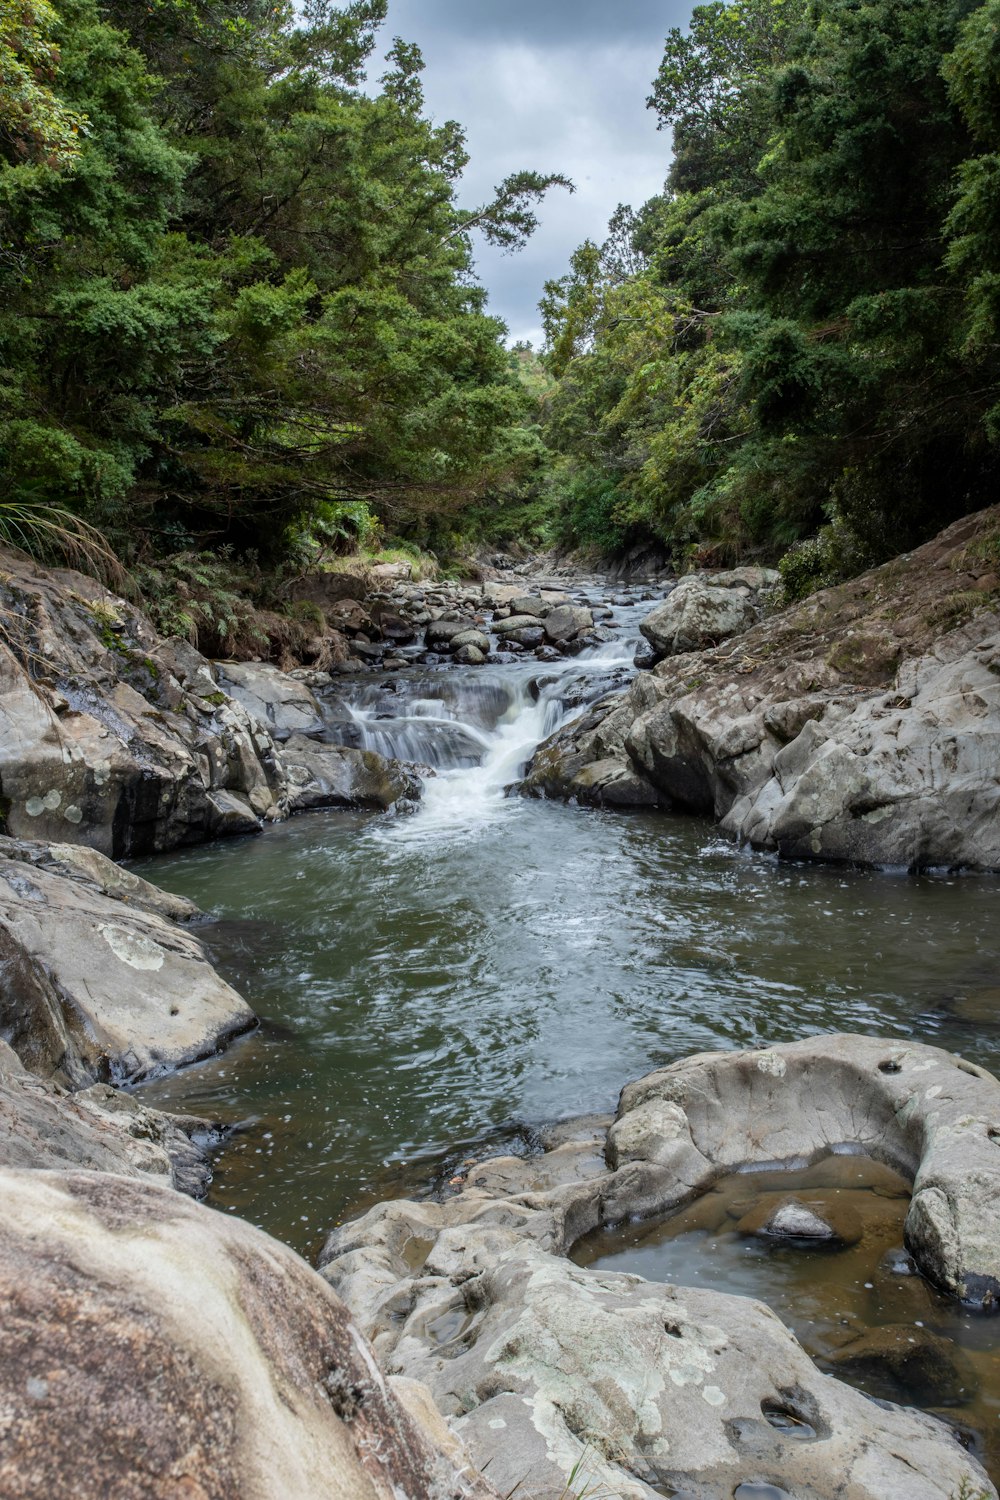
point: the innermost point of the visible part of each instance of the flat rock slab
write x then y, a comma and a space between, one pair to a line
93, 989
152, 1348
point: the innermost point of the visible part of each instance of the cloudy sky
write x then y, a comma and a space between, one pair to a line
555, 85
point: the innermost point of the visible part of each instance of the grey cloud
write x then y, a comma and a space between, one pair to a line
556, 85
544, 21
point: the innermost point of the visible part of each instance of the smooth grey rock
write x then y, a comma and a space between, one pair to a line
518, 622
566, 621
527, 604
527, 636
470, 656
443, 632
474, 638
545, 1368
95, 989
199, 1357
279, 702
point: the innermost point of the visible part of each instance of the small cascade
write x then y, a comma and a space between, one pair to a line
475, 729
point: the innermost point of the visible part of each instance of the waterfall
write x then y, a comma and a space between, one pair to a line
473, 730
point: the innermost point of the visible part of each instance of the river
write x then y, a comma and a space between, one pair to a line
434, 986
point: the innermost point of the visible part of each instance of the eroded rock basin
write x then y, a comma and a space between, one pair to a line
855, 1302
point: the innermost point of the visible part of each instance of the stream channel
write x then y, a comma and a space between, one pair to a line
435, 986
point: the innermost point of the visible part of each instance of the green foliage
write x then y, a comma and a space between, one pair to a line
813, 327
35, 124
236, 294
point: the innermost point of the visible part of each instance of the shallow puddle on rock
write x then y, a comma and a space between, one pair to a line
854, 1303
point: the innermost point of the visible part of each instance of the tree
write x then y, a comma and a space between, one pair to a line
35, 124
251, 296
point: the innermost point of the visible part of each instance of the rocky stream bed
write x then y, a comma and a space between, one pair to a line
393, 1032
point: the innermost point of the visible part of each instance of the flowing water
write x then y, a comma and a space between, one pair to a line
437, 985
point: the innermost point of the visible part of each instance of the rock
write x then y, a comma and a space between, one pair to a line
98, 1129
367, 651
278, 701
470, 656
335, 776
350, 617
527, 604
791, 1220
328, 589
645, 658
697, 614
93, 988
749, 577
391, 572
518, 622
907, 1364
474, 638
566, 621
545, 1369
441, 633
111, 737
527, 636
862, 725
392, 625
198, 1357
76, 862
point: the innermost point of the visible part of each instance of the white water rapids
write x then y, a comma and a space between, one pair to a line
476, 729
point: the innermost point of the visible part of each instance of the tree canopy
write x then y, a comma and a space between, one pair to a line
236, 290
810, 340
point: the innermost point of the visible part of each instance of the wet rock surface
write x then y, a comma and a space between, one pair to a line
113, 738
542, 1365
150, 1347
279, 703
862, 725
321, 775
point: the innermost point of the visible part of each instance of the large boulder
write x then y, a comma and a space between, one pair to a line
279, 704
566, 621
319, 775
549, 1371
861, 725
698, 613
150, 1348
112, 737
97, 986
